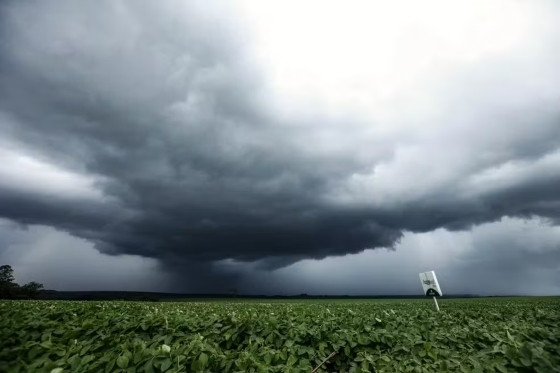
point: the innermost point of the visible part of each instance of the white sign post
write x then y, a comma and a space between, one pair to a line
430, 285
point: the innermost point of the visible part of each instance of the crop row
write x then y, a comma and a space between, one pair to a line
367, 336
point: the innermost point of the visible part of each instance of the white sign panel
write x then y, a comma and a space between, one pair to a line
430, 284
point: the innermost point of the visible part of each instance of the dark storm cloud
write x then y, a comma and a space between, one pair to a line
62, 262
507, 257
161, 106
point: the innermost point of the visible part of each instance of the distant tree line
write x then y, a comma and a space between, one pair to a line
9, 289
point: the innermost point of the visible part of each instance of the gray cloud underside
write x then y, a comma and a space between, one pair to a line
166, 111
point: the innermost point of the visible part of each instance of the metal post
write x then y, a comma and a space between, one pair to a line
437, 306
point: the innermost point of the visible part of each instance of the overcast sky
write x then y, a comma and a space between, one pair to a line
281, 147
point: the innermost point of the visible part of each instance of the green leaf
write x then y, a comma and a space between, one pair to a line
148, 367
509, 336
203, 358
268, 358
110, 365
122, 361
165, 365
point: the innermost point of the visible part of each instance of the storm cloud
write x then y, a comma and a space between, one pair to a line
159, 130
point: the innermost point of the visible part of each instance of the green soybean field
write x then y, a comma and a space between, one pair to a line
467, 335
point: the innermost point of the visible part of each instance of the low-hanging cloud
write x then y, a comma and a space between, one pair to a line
168, 142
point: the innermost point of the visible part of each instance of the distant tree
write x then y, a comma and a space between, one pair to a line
9, 289
31, 289
6, 274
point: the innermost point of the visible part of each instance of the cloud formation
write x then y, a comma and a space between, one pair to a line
506, 257
62, 262
159, 129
